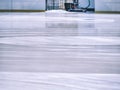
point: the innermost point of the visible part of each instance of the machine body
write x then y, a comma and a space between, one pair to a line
75, 6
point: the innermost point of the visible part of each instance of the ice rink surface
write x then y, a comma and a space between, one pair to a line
59, 51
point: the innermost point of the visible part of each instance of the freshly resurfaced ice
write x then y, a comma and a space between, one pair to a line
59, 51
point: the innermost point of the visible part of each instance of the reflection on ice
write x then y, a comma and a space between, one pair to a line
64, 46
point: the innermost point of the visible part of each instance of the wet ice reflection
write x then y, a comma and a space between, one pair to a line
62, 46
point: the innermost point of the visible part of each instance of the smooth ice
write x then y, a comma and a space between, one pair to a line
58, 81
59, 51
